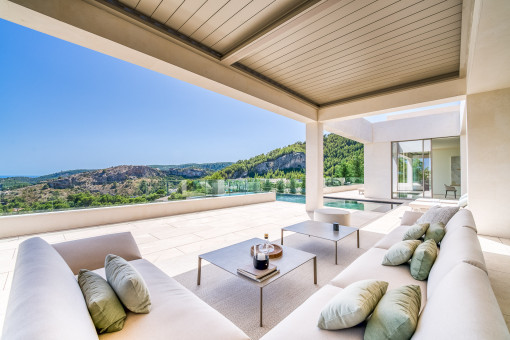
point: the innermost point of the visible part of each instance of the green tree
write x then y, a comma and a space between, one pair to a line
143, 187
267, 185
292, 186
280, 186
303, 186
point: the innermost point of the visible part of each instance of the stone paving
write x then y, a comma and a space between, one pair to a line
173, 243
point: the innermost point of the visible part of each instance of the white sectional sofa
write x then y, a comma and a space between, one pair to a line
457, 299
46, 301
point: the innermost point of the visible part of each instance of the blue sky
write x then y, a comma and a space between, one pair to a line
65, 107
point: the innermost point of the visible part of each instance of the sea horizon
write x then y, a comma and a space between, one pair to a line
7, 176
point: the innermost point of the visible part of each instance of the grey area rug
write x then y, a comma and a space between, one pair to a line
238, 300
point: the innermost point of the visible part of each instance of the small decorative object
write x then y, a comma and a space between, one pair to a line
336, 227
261, 254
276, 253
260, 258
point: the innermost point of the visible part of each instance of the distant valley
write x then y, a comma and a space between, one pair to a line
126, 184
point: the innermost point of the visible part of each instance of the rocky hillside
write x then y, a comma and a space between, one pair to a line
290, 161
106, 176
295, 161
204, 166
342, 158
187, 172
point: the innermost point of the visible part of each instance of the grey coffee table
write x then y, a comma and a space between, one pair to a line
237, 255
322, 230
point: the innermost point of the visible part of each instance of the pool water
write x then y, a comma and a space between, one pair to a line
339, 203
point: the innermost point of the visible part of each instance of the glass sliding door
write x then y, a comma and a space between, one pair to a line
446, 168
411, 169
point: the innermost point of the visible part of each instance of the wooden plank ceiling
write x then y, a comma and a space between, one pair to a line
322, 51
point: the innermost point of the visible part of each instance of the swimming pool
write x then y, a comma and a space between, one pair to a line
340, 203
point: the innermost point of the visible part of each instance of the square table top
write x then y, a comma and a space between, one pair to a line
321, 230
238, 255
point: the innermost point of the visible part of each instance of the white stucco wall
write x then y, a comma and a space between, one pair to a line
378, 170
488, 131
433, 126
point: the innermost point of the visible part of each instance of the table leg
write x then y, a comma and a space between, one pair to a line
260, 306
199, 270
315, 270
282, 238
336, 252
357, 231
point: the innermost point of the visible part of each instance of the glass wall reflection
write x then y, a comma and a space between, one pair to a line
426, 168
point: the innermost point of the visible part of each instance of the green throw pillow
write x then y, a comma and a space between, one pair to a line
128, 284
435, 232
415, 231
423, 259
352, 305
396, 315
104, 307
400, 252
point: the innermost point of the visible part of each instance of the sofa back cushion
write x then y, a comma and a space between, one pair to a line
459, 245
89, 253
463, 306
45, 301
463, 218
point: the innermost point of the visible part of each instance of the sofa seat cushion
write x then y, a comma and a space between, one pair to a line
459, 245
45, 301
393, 237
176, 312
302, 322
463, 306
368, 267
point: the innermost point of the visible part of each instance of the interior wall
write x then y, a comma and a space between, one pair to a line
488, 131
378, 170
441, 169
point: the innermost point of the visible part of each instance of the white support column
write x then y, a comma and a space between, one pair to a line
314, 165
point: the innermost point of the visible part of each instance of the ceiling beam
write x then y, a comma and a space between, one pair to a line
94, 27
466, 35
299, 16
426, 95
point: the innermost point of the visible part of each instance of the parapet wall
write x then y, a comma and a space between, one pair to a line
16, 225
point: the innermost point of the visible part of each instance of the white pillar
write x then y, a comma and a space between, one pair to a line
314, 165
488, 140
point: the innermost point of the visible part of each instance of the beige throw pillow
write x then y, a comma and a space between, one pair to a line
104, 307
352, 305
400, 252
128, 284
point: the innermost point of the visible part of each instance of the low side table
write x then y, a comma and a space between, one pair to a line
322, 230
237, 255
